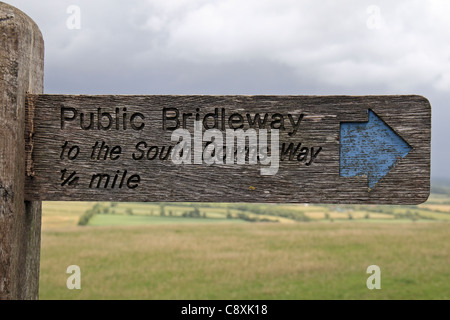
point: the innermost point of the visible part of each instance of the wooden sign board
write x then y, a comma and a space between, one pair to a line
332, 149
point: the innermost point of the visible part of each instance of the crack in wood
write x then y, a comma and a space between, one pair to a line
29, 136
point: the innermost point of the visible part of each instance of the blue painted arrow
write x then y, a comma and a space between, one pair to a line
370, 149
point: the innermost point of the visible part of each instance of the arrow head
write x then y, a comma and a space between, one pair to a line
370, 149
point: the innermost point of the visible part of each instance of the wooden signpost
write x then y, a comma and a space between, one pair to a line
331, 149
22, 71
297, 149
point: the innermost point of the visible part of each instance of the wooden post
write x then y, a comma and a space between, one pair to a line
21, 64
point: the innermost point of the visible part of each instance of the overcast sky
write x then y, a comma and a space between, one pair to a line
251, 47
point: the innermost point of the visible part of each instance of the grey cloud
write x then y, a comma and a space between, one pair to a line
252, 47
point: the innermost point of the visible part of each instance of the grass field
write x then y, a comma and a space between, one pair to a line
249, 261
131, 251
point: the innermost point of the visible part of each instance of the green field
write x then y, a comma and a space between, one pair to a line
249, 261
246, 251
66, 214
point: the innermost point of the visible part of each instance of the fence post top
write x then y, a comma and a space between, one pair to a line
10, 14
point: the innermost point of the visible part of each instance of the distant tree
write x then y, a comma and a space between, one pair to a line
129, 211
196, 212
86, 216
97, 208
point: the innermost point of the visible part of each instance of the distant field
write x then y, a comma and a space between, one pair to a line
123, 220
67, 214
62, 214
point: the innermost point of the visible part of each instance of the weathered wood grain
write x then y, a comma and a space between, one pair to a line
162, 180
21, 65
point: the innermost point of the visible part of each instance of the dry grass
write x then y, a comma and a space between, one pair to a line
62, 214
436, 207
